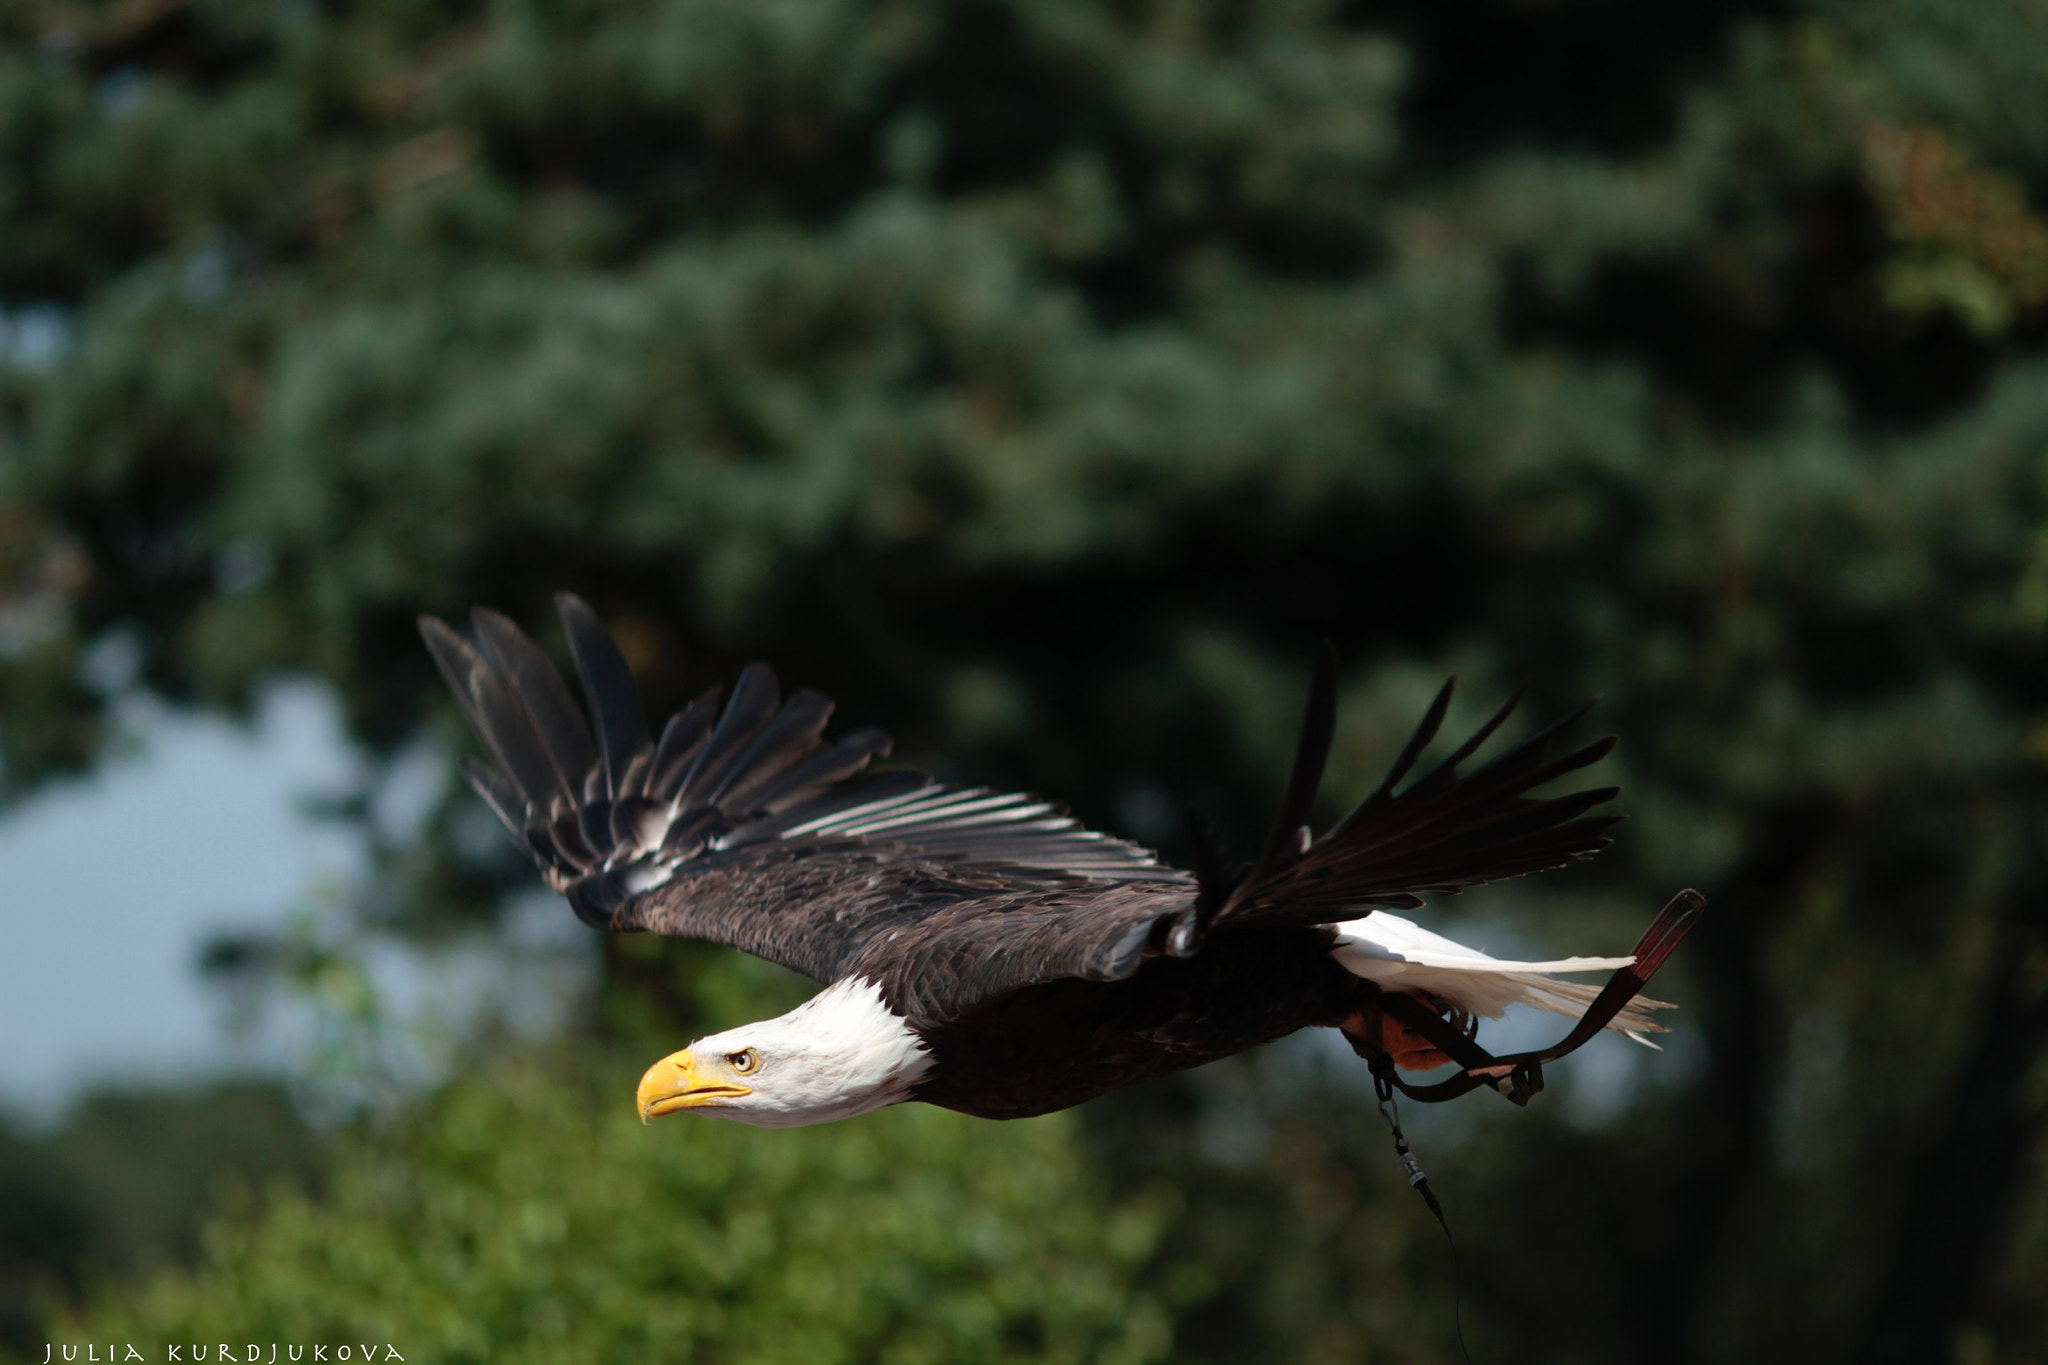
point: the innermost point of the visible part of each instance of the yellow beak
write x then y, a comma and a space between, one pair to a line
675, 1083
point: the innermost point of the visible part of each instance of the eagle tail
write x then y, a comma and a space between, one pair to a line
1399, 955
1443, 832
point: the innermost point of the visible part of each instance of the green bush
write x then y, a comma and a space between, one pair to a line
524, 1214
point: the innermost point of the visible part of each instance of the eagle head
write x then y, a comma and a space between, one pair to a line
840, 1053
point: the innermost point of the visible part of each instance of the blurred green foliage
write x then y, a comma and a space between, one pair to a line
123, 1185
1044, 378
526, 1215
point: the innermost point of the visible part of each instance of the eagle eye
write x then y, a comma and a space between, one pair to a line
744, 1061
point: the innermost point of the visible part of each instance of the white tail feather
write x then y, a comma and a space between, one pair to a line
1401, 955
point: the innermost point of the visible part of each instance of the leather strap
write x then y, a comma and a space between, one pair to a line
1519, 1075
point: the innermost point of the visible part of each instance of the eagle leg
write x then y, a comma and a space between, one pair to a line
1377, 1036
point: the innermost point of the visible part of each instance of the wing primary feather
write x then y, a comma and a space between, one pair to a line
499, 721
634, 782
685, 732
754, 700
1441, 833
1305, 778
1493, 723
539, 687
525, 757
1318, 729
457, 662
1443, 794
562, 844
796, 731
832, 763
500, 795
1432, 721
620, 720
567, 831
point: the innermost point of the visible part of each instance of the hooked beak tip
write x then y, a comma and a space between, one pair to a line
673, 1083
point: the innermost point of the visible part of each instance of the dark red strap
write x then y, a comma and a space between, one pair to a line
1480, 1067
1519, 1075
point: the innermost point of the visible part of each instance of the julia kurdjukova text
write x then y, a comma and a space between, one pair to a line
249, 1353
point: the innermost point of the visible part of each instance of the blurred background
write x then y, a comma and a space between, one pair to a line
1044, 379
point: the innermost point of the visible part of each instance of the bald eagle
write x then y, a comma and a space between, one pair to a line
982, 951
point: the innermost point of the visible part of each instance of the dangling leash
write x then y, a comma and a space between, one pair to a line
1519, 1075
1390, 1110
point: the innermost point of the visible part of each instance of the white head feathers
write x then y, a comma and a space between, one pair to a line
840, 1053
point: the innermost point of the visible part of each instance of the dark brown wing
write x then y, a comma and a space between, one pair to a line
745, 828
970, 952
938, 935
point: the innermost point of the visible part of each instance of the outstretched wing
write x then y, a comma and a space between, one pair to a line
744, 827
1443, 832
